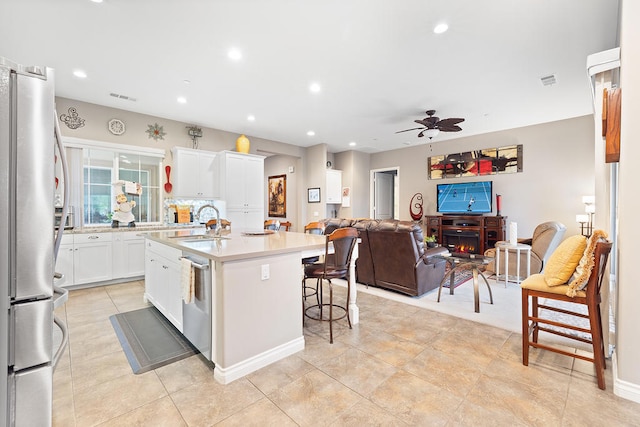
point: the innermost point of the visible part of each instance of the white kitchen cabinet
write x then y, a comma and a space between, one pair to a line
92, 258
334, 186
64, 262
128, 254
162, 280
242, 188
195, 174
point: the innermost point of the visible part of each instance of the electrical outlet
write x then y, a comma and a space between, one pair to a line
265, 272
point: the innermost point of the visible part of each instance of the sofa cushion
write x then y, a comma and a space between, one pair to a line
564, 260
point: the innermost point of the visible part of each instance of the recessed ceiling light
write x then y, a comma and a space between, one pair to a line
440, 28
97, 1
315, 87
311, 133
80, 74
251, 118
182, 100
186, 81
352, 144
235, 54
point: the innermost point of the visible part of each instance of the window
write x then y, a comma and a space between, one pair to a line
105, 168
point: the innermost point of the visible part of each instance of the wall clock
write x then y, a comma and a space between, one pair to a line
116, 126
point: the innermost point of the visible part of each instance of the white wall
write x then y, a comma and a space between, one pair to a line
628, 344
558, 169
279, 165
355, 175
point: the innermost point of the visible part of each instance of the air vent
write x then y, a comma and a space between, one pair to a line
548, 80
125, 97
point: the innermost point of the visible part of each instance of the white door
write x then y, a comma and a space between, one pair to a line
383, 195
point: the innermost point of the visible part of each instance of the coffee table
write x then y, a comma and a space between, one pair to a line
458, 261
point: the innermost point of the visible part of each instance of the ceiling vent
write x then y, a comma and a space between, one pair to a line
125, 97
548, 80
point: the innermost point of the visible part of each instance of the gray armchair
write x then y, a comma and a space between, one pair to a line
546, 238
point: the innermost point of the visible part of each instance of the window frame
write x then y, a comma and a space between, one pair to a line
117, 149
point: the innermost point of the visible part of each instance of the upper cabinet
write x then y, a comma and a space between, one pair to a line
242, 188
194, 174
334, 186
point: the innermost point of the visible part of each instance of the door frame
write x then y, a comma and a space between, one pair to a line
372, 189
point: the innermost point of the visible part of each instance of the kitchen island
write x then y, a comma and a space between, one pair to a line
254, 284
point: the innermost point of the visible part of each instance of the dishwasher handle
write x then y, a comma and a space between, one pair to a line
198, 266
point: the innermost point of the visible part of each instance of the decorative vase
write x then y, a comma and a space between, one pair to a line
243, 144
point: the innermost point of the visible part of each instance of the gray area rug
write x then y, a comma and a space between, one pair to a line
149, 340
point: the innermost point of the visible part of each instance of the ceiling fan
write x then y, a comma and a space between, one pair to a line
433, 125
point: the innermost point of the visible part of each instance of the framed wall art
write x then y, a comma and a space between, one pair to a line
277, 196
488, 161
313, 195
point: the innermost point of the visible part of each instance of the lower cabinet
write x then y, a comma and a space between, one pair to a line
162, 280
128, 255
92, 258
98, 257
64, 262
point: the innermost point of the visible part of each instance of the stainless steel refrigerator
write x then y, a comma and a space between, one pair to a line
27, 244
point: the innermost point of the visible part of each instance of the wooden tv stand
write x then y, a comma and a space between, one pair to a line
487, 229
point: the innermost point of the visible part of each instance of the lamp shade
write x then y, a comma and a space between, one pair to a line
582, 218
589, 208
432, 132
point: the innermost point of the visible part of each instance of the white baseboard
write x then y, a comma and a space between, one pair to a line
622, 388
239, 370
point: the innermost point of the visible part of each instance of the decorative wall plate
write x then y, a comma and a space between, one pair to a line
116, 126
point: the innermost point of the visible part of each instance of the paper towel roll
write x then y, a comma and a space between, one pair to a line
513, 233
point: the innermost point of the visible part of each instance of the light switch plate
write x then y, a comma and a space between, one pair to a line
265, 272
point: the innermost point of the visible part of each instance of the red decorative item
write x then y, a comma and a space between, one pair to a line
168, 186
498, 204
418, 204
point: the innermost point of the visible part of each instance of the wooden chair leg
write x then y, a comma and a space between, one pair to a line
601, 336
534, 313
596, 338
330, 313
525, 327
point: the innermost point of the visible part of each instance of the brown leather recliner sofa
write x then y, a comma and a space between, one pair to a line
392, 255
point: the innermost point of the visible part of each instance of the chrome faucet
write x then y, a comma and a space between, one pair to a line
218, 227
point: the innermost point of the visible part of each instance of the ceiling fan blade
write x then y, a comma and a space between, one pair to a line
421, 134
450, 122
407, 130
450, 128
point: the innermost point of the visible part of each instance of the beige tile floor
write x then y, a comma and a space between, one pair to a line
401, 365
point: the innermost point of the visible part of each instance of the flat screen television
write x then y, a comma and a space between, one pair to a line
465, 198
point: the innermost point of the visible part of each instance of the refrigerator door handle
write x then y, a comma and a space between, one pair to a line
65, 178
63, 344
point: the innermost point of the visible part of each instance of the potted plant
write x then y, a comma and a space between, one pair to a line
430, 241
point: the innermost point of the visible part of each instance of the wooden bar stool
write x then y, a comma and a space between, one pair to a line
532, 323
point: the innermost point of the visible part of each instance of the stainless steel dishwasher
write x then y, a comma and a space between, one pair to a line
196, 316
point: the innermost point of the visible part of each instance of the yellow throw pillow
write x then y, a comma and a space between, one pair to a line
564, 260
585, 266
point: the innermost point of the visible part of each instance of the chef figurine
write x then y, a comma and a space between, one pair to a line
123, 211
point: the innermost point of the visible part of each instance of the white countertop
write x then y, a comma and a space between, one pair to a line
238, 246
139, 228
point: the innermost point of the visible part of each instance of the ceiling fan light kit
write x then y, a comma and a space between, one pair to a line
432, 125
